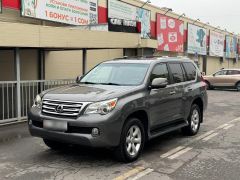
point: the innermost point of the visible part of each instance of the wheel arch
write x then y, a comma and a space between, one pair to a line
142, 115
198, 101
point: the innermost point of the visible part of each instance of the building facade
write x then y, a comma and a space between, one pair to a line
36, 53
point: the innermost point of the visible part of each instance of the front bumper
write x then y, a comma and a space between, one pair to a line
79, 130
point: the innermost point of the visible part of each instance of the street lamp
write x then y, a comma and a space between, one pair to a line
206, 24
167, 10
218, 27
147, 2
182, 15
196, 21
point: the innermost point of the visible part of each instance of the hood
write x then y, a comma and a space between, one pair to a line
87, 93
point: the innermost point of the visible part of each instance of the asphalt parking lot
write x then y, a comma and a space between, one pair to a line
213, 154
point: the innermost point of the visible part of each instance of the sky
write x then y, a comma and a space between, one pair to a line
223, 13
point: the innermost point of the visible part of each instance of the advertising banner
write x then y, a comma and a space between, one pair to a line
74, 12
121, 10
170, 34
231, 47
239, 47
216, 46
144, 16
197, 40
121, 25
123, 17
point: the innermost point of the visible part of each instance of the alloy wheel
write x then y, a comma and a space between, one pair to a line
195, 119
133, 140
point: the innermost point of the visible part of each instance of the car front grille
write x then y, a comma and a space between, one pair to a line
57, 108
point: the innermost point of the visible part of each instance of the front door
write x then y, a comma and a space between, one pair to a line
219, 78
163, 102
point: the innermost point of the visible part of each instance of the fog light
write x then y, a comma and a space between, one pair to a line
95, 132
30, 122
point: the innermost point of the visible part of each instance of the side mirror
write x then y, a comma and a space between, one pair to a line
78, 79
158, 83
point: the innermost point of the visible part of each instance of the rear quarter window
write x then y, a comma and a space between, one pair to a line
191, 71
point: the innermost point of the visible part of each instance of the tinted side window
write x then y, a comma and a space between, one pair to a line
160, 71
177, 72
224, 72
190, 70
233, 72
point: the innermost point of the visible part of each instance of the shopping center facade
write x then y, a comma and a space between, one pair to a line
38, 53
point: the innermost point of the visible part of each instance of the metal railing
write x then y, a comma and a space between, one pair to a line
28, 91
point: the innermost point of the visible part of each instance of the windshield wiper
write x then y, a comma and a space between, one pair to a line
88, 83
113, 84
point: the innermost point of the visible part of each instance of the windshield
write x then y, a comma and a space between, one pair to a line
117, 74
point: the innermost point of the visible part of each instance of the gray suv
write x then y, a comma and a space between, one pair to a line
121, 104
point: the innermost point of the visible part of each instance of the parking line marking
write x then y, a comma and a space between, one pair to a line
228, 127
222, 126
235, 120
172, 151
179, 153
210, 137
141, 174
204, 135
130, 173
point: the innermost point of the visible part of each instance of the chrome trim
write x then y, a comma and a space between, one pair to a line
63, 114
71, 108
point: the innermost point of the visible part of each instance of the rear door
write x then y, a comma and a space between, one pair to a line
191, 86
178, 79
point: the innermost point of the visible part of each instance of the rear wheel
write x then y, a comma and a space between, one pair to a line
131, 142
194, 121
238, 86
54, 145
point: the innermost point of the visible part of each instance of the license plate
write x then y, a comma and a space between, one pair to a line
55, 125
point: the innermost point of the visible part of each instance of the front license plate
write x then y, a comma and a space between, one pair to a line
55, 125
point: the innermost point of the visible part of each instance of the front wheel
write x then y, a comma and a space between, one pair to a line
131, 142
194, 121
209, 87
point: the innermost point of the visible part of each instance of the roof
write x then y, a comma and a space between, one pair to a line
148, 60
234, 69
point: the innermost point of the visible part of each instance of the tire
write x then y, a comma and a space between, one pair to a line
194, 121
125, 151
238, 86
209, 87
54, 145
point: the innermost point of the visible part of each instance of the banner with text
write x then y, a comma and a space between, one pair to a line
216, 47
123, 17
197, 40
231, 47
170, 34
74, 12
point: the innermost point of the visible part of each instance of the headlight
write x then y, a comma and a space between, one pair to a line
37, 102
102, 108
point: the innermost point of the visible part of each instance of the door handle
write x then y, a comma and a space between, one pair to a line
189, 89
172, 92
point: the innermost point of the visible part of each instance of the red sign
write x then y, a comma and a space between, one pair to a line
170, 34
14, 4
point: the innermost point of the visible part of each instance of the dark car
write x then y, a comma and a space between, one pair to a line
121, 104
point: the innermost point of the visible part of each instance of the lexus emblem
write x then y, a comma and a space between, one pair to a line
59, 109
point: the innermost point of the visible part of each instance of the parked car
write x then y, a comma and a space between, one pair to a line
224, 78
121, 104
